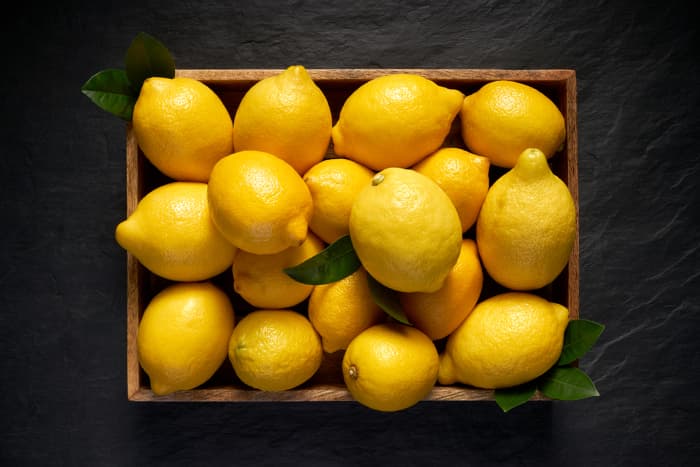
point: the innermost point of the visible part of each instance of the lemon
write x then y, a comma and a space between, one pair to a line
439, 313
507, 340
286, 115
463, 176
395, 120
341, 310
275, 350
261, 281
405, 231
503, 118
183, 336
527, 225
259, 202
334, 184
171, 234
182, 127
390, 367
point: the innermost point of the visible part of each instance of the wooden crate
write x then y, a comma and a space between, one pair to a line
337, 84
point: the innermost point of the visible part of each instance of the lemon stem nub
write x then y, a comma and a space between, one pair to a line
377, 179
532, 163
352, 372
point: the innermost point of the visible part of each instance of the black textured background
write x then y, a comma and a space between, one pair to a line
62, 280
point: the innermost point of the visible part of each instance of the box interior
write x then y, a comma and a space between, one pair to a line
337, 85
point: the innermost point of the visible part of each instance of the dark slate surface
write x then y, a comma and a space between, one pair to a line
62, 282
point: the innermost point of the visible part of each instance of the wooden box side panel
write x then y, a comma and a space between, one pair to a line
135, 300
573, 266
337, 85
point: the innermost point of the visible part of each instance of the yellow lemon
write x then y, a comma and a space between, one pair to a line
439, 313
463, 176
182, 127
261, 281
390, 367
507, 340
171, 234
334, 184
341, 310
503, 118
286, 115
527, 225
405, 231
275, 350
395, 120
183, 336
259, 202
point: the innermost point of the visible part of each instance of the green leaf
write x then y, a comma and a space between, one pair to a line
567, 384
509, 398
110, 90
579, 337
147, 57
387, 299
336, 261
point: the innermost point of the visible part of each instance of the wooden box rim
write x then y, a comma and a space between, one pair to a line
565, 79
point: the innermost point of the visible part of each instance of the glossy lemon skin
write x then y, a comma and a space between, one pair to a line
405, 231
527, 225
259, 202
463, 176
182, 127
439, 313
275, 350
183, 336
261, 281
172, 235
334, 185
507, 340
390, 367
395, 120
339, 311
503, 118
286, 115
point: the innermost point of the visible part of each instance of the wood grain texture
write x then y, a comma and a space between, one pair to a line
317, 393
463, 76
337, 85
134, 182
570, 113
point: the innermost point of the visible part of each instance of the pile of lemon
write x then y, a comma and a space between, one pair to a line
278, 181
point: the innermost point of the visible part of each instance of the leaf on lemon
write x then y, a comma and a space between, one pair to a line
509, 398
147, 57
579, 337
336, 261
387, 299
110, 90
567, 384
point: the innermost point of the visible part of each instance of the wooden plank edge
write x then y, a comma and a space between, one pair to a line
572, 181
332, 392
133, 369
133, 272
340, 75
317, 393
